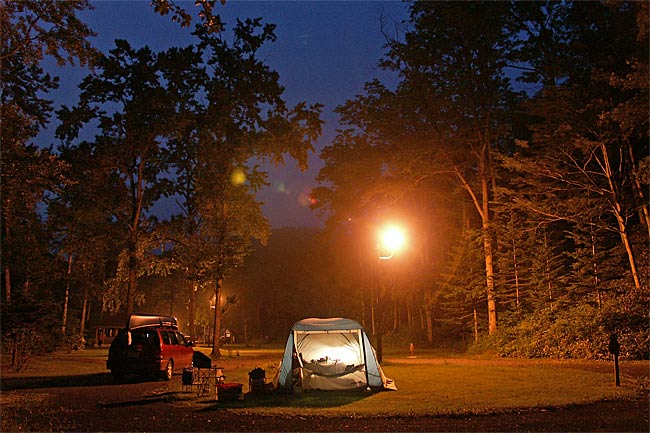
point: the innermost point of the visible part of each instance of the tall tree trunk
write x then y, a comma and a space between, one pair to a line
421, 314
409, 314
638, 189
625, 239
136, 212
395, 315
618, 213
216, 353
192, 309
547, 271
429, 318
6, 253
84, 313
596, 273
516, 271
245, 326
7, 275
133, 272
66, 298
483, 207
489, 274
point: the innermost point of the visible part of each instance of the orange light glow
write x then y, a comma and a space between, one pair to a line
391, 239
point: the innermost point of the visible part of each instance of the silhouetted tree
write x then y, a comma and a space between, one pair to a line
126, 97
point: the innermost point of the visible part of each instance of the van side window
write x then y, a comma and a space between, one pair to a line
165, 337
181, 339
172, 337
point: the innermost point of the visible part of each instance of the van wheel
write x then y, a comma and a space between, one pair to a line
169, 370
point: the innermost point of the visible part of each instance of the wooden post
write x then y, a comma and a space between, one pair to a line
615, 348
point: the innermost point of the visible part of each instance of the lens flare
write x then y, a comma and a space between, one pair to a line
238, 177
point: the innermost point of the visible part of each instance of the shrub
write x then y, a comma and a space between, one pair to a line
578, 331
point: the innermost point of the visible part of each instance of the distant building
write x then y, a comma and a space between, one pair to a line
227, 337
103, 332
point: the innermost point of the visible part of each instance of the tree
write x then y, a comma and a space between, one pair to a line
446, 117
226, 115
80, 219
589, 135
31, 30
127, 100
24, 112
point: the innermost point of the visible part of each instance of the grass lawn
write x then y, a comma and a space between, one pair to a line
430, 384
435, 383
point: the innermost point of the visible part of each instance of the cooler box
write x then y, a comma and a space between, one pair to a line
229, 391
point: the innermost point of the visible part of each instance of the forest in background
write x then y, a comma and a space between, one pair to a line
514, 150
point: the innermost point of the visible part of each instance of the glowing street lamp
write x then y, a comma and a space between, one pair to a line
390, 240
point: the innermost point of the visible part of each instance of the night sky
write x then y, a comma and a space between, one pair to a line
324, 52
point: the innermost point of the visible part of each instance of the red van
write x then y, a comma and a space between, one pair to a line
149, 345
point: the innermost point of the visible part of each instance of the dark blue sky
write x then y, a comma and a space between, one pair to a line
325, 52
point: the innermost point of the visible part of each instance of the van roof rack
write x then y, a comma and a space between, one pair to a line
139, 320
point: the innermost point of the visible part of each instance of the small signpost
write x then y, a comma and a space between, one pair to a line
614, 348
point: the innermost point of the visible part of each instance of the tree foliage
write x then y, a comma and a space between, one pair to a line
553, 172
209, 20
33, 29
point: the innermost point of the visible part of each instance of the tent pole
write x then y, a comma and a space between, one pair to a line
365, 363
298, 355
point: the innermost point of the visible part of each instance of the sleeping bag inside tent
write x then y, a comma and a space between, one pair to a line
330, 354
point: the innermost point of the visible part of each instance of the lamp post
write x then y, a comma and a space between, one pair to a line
390, 240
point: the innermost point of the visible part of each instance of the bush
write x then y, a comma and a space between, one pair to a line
28, 328
629, 317
580, 331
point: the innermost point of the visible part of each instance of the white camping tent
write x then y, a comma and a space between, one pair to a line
330, 354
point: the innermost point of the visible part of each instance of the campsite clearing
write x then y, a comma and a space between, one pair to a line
435, 393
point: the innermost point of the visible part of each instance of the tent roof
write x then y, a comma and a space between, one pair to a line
331, 324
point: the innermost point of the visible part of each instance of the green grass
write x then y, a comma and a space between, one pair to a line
90, 361
434, 389
431, 384
449, 388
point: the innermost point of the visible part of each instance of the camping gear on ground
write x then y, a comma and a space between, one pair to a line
187, 378
330, 354
257, 381
230, 391
204, 380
